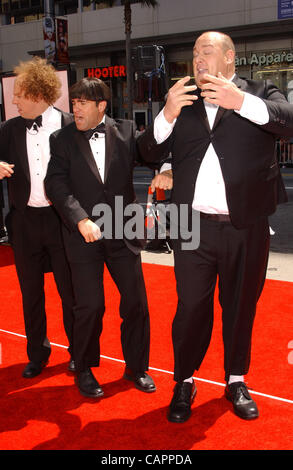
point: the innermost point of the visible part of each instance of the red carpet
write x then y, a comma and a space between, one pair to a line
48, 412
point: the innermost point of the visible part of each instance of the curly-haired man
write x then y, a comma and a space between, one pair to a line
32, 223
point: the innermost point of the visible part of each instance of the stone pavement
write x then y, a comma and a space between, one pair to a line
280, 265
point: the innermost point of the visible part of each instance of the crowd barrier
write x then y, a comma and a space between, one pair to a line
284, 150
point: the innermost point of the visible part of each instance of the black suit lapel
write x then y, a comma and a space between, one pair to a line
86, 152
220, 114
199, 109
110, 141
240, 83
66, 119
21, 146
21, 154
224, 113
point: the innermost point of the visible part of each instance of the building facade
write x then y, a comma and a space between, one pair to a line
96, 37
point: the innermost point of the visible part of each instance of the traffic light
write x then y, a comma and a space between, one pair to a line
147, 58
148, 64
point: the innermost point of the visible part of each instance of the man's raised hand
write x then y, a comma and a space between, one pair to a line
222, 92
178, 96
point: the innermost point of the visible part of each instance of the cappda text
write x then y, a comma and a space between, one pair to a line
149, 459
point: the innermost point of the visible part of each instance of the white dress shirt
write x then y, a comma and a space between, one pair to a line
38, 151
210, 192
98, 148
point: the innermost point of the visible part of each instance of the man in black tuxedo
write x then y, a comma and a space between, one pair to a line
222, 140
2, 226
91, 167
33, 225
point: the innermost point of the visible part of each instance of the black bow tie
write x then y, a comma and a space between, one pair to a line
100, 128
29, 122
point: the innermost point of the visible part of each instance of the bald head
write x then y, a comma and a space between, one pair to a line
223, 39
213, 52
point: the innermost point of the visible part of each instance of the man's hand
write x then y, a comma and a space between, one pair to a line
222, 92
6, 170
89, 230
177, 98
163, 180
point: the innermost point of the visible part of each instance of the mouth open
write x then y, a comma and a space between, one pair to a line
78, 119
200, 75
201, 71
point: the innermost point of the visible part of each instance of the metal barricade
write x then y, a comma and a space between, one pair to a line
284, 151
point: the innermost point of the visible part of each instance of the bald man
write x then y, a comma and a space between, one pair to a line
221, 133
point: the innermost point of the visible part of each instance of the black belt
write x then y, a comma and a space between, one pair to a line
216, 217
39, 210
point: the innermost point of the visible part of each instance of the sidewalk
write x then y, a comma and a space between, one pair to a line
280, 265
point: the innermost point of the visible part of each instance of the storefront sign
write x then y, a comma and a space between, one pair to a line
49, 38
285, 9
265, 59
62, 41
114, 71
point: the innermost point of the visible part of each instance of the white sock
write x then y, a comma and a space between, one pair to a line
235, 378
190, 380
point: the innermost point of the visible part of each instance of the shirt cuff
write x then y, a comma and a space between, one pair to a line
254, 109
162, 128
165, 167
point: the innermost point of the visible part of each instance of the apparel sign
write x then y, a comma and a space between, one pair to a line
285, 9
265, 59
113, 71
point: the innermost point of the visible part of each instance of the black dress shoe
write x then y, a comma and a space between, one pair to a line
244, 406
142, 380
71, 366
32, 369
180, 406
88, 385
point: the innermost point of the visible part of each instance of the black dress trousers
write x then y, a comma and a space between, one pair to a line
38, 247
87, 267
238, 260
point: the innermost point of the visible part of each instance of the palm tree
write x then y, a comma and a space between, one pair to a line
128, 22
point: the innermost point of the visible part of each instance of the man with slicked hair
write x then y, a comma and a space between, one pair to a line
91, 167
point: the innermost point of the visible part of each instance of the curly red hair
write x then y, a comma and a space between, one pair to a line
38, 79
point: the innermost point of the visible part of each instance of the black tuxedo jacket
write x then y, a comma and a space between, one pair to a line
246, 153
75, 187
1, 195
13, 150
